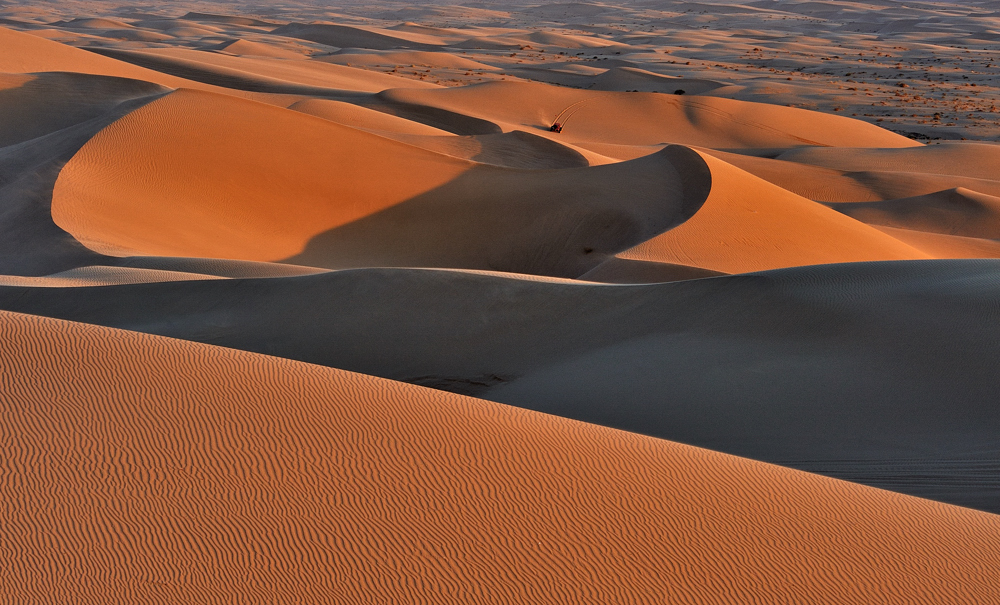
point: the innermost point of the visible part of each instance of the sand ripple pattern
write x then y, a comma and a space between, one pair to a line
137, 468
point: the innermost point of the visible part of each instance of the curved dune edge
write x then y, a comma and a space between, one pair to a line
748, 224
191, 175
896, 360
146, 468
194, 174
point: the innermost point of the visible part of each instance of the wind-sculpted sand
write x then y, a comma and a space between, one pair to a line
769, 229
140, 468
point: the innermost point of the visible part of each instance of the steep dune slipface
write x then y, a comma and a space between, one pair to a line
196, 174
44, 119
648, 119
748, 224
142, 468
33, 105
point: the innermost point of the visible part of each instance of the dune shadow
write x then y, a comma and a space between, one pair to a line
31, 244
559, 223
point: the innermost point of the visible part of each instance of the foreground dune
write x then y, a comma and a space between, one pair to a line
143, 468
880, 373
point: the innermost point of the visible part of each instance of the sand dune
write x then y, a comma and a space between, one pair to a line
515, 149
246, 48
721, 224
35, 105
219, 199
748, 224
100, 276
939, 245
640, 80
49, 117
204, 474
895, 360
24, 53
956, 211
648, 119
408, 58
193, 203
342, 36
968, 160
363, 118
258, 74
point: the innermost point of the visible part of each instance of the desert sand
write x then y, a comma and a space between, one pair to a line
489, 302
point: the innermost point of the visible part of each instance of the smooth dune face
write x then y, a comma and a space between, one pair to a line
759, 226
145, 468
768, 229
196, 174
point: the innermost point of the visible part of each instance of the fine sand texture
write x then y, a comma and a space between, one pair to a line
879, 373
297, 238
140, 468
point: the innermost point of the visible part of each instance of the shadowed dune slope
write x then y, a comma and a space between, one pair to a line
404, 58
640, 80
100, 276
44, 119
363, 118
965, 159
515, 149
143, 468
748, 224
880, 373
33, 105
648, 119
197, 174
939, 245
345, 36
957, 211
861, 185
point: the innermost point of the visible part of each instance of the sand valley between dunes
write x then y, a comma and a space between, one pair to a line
574, 302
